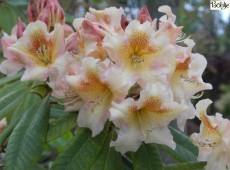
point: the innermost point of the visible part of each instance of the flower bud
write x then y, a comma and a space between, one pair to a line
52, 14
41, 5
144, 15
31, 13
20, 28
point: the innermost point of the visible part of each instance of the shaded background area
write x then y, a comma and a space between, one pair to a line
209, 29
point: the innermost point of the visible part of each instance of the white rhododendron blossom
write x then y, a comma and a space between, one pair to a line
145, 119
214, 138
140, 74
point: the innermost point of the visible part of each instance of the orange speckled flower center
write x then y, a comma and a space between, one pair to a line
150, 116
154, 105
209, 129
183, 66
138, 46
41, 49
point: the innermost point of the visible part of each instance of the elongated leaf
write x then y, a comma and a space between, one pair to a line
108, 158
15, 86
61, 126
10, 105
6, 80
147, 157
82, 151
18, 112
186, 166
26, 141
185, 150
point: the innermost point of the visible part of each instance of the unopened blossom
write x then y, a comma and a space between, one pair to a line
48, 11
13, 62
40, 51
214, 138
139, 53
93, 28
52, 14
97, 87
187, 80
145, 119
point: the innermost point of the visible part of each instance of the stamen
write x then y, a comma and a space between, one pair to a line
42, 54
182, 37
70, 102
143, 128
137, 59
189, 80
95, 102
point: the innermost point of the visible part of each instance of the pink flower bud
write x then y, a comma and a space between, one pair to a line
52, 14
124, 21
68, 30
41, 5
72, 42
144, 15
94, 28
21, 27
31, 13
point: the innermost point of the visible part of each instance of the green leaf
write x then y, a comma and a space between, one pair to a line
186, 166
82, 152
26, 141
6, 23
9, 79
15, 86
108, 159
18, 112
185, 150
147, 157
8, 106
61, 126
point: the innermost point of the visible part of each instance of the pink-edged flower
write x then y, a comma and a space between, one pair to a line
62, 90
108, 19
97, 87
145, 119
139, 53
93, 28
89, 40
41, 52
167, 25
187, 80
13, 63
214, 138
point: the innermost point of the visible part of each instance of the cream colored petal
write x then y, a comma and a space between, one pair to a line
128, 139
10, 68
184, 116
94, 117
161, 136
36, 73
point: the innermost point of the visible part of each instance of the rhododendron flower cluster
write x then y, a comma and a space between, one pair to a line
140, 74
